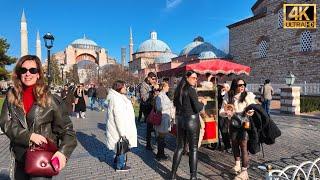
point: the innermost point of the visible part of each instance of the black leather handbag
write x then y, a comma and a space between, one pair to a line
122, 145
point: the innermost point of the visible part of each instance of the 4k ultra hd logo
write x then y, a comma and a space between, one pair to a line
300, 16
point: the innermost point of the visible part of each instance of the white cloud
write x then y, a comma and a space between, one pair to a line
172, 3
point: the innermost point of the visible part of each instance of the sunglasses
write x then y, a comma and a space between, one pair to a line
154, 78
31, 70
194, 78
240, 85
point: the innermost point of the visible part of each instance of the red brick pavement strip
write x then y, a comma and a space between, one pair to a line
91, 159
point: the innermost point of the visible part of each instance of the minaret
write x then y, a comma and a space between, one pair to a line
24, 35
131, 46
123, 56
38, 46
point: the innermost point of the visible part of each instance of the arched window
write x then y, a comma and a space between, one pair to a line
306, 41
280, 18
263, 49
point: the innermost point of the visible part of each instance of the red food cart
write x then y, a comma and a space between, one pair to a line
215, 67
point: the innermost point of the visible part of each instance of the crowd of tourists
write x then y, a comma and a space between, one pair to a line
32, 116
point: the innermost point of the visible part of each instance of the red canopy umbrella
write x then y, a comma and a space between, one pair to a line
216, 66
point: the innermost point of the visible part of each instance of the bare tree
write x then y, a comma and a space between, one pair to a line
111, 73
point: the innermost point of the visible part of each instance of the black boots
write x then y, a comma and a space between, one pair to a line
161, 145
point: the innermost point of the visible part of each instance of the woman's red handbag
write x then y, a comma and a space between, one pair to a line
154, 117
38, 160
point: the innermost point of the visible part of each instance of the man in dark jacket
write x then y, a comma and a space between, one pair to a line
145, 100
92, 95
101, 94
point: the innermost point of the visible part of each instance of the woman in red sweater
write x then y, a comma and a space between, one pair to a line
31, 115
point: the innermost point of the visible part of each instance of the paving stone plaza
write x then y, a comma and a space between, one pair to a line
91, 160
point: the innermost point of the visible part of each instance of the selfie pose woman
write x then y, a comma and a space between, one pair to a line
31, 115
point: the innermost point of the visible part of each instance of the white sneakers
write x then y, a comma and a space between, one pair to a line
236, 169
242, 176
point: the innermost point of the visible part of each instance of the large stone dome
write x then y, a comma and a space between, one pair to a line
165, 57
198, 46
153, 44
84, 43
207, 55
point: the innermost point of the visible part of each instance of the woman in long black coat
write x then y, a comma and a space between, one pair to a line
68, 98
80, 103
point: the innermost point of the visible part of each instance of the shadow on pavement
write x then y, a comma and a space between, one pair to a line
102, 126
294, 160
149, 159
147, 156
96, 148
221, 167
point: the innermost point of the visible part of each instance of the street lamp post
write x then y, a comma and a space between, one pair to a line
290, 78
48, 40
62, 66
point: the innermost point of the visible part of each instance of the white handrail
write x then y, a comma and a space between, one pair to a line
305, 168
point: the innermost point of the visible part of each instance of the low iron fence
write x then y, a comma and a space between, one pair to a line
306, 88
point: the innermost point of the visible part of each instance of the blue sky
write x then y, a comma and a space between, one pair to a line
107, 22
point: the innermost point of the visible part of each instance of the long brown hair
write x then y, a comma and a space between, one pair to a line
40, 89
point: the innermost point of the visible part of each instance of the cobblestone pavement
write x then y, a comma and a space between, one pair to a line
91, 159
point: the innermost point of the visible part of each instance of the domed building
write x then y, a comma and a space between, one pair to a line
196, 51
199, 49
150, 53
83, 49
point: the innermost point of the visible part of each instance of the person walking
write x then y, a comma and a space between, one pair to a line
120, 122
31, 115
164, 105
188, 107
101, 94
68, 98
146, 97
92, 95
239, 98
267, 92
223, 123
80, 101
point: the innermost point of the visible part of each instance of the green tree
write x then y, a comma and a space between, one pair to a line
5, 59
55, 71
72, 75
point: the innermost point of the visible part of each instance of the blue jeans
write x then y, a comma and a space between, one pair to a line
92, 101
121, 161
266, 105
101, 103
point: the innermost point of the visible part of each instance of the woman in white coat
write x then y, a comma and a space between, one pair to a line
120, 122
165, 106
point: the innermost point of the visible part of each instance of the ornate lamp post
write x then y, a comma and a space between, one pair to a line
290, 78
48, 40
62, 67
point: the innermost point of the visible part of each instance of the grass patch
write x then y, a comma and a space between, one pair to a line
309, 104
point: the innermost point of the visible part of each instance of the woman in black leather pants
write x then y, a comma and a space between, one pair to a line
188, 123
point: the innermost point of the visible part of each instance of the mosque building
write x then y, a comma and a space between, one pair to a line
81, 50
155, 55
150, 53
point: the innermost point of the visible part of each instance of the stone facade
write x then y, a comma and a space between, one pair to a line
72, 55
283, 51
142, 60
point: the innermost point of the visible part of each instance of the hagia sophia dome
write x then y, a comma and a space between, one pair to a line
84, 43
